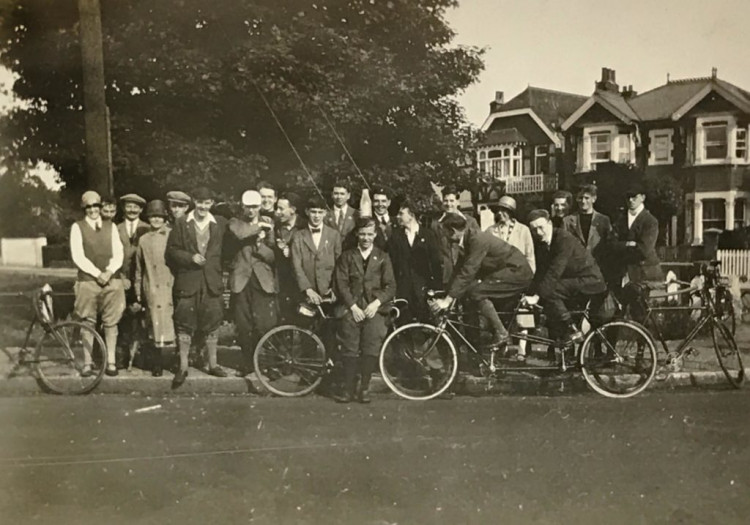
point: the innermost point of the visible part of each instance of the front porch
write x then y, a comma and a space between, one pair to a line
709, 213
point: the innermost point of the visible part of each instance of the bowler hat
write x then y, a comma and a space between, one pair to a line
202, 194
132, 197
90, 198
156, 208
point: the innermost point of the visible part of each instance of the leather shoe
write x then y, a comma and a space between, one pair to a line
87, 371
112, 371
179, 378
364, 396
217, 371
346, 397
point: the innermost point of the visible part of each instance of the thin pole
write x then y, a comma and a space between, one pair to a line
346, 150
289, 141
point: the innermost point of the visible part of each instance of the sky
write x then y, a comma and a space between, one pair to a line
563, 45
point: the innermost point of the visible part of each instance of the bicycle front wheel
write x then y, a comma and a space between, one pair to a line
728, 354
418, 361
618, 359
70, 358
290, 361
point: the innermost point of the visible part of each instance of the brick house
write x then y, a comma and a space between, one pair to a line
693, 129
522, 143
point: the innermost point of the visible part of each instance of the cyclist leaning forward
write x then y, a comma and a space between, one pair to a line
488, 269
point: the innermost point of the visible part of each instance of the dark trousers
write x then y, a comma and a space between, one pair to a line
567, 291
255, 313
363, 338
200, 312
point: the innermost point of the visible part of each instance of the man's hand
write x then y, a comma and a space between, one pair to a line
104, 278
136, 307
199, 259
126, 284
357, 313
439, 305
313, 296
372, 309
631, 244
530, 300
283, 246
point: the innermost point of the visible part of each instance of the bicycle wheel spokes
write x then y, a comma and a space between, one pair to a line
70, 358
290, 361
618, 359
418, 362
728, 354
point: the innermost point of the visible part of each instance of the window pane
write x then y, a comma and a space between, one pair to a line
714, 212
715, 137
661, 148
601, 146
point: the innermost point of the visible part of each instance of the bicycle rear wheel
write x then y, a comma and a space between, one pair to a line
725, 309
290, 361
62, 355
618, 359
728, 354
418, 362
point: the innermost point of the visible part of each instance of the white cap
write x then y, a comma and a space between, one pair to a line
251, 198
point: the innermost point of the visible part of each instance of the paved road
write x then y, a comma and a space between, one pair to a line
659, 458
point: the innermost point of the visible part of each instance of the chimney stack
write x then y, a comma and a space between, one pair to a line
607, 83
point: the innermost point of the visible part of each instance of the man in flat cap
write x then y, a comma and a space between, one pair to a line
194, 254
96, 250
250, 248
179, 202
131, 229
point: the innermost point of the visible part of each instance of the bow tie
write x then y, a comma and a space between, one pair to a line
315, 230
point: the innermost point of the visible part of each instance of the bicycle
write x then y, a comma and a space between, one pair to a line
70, 358
419, 361
292, 361
715, 310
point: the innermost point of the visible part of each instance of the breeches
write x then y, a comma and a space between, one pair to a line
363, 338
202, 312
93, 300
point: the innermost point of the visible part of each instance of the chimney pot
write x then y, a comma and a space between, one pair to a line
500, 97
714, 72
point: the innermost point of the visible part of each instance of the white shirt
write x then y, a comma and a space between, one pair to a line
340, 213
131, 226
201, 224
411, 234
82, 262
383, 219
633, 214
316, 236
365, 254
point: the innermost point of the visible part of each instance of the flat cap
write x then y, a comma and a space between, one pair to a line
178, 196
251, 198
134, 198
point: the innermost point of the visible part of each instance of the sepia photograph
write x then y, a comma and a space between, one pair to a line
374, 262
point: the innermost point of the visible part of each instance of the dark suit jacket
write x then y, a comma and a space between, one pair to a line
355, 286
347, 224
565, 258
449, 250
249, 256
485, 257
640, 261
600, 232
182, 245
418, 267
284, 267
382, 234
313, 268
130, 247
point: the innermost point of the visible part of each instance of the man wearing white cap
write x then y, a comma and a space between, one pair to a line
250, 246
97, 252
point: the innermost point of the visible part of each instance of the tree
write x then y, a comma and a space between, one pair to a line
186, 82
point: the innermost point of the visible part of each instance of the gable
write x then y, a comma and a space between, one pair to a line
524, 124
596, 114
712, 103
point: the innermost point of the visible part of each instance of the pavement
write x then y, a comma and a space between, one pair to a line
659, 458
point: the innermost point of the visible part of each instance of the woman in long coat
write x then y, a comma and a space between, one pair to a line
154, 280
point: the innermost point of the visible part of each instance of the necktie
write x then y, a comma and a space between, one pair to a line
132, 230
339, 216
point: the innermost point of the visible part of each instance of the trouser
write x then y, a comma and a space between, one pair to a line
567, 290
106, 301
255, 313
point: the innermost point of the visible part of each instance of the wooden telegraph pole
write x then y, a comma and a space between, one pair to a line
98, 156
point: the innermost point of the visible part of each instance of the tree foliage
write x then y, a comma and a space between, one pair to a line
184, 85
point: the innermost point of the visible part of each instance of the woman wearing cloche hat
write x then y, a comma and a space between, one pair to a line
153, 282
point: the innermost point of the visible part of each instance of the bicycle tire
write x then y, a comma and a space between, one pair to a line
610, 369
61, 356
290, 361
412, 364
728, 354
725, 306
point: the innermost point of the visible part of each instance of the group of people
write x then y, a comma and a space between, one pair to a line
283, 253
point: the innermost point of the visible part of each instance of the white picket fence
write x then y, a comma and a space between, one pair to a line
735, 263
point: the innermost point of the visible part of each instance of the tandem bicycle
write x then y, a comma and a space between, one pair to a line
419, 361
